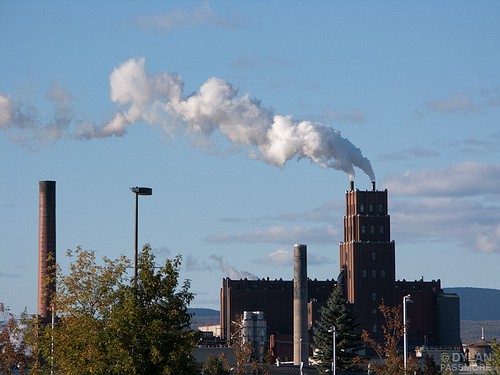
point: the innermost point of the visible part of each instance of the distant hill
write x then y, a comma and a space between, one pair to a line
478, 303
204, 317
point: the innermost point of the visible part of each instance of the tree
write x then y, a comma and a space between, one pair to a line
337, 312
393, 330
83, 302
106, 325
215, 366
150, 323
242, 350
494, 361
430, 366
13, 349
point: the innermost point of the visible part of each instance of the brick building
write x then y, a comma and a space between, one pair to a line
368, 276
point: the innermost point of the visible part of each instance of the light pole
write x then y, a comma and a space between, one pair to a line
334, 359
406, 299
138, 191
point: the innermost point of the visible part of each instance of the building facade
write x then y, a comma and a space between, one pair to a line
368, 278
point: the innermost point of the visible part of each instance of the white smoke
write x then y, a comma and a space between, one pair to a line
158, 99
231, 271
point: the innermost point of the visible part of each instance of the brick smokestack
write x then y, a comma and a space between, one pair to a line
46, 247
300, 320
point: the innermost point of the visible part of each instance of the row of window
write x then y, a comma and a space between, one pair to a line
372, 229
371, 207
374, 274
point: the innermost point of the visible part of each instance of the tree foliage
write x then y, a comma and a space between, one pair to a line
494, 362
13, 349
216, 365
106, 325
337, 312
387, 351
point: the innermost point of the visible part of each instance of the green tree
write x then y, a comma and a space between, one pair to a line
494, 362
215, 366
150, 325
106, 325
337, 312
84, 299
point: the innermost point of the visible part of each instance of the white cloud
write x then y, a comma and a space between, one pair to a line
5, 111
199, 16
461, 179
281, 235
354, 116
459, 103
284, 258
328, 212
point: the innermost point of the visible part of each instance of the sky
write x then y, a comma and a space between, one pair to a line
248, 120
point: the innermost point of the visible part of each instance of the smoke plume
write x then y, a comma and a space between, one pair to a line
231, 271
158, 99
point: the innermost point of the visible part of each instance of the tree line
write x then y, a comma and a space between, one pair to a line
107, 323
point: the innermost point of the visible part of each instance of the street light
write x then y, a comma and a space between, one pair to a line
334, 334
406, 299
138, 191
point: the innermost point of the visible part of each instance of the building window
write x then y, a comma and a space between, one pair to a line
374, 311
363, 229
365, 274
374, 296
381, 229
374, 274
372, 229
380, 208
374, 255
361, 207
382, 274
374, 329
371, 207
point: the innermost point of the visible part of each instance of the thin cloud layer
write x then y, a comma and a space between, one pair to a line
461, 179
458, 204
279, 235
471, 224
328, 212
284, 258
201, 15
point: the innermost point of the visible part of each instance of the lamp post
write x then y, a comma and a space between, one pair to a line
138, 191
406, 299
334, 359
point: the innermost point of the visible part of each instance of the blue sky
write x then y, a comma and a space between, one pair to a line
247, 119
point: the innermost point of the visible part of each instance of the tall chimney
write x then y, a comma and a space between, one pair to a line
300, 331
373, 186
46, 247
352, 185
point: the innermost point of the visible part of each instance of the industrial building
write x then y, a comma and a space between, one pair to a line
367, 275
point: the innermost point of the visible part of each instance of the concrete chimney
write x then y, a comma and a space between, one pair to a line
46, 247
300, 331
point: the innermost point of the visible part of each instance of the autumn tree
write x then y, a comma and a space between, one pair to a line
337, 312
13, 349
494, 362
107, 325
387, 351
242, 350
